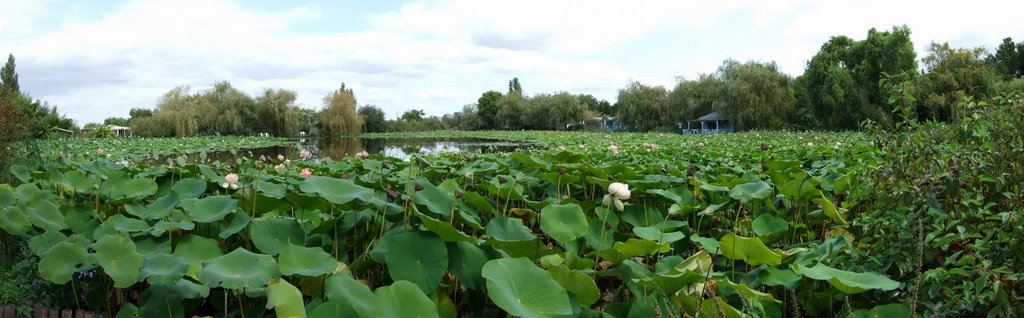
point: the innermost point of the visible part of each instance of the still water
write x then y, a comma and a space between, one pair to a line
392, 147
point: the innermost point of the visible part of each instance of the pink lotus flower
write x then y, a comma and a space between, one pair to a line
99, 150
279, 166
615, 149
280, 157
701, 144
653, 146
363, 154
304, 154
305, 173
230, 180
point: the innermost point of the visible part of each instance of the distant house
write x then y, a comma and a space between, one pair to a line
713, 123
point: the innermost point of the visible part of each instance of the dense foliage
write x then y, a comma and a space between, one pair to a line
767, 224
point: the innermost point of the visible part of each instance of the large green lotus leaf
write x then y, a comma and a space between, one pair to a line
41, 243
579, 284
642, 215
14, 221
883, 311
128, 225
305, 261
161, 207
564, 222
239, 269
830, 210
750, 191
239, 220
335, 190
478, 201
29, 192
418, 257
285, 299
522, 289
380, 248
197, 249
772, 276
163, 268
119, 259
436, 200
654, 234
509, 229
333, 309
801, 187
750, 250
62, 260
271, 233
270, 189
45, 215
465, 261
346, 290
445, 230
209, 209
6, 195
678, 195
189, 188
767, 224
640, 247
847, 282
129, 188
78, 181
403, 300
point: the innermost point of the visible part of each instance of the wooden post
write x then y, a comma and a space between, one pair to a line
8, 311
66, 313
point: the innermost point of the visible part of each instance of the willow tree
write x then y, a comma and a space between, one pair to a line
277, 112
642, 107
339, 115
754, 94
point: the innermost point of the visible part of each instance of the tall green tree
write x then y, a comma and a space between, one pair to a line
643, 108
510, 110
949, 75
514, 88
9, 78
487, 108
277, 113
372, 117
1008, 60
339, 115
843, 77
754, 95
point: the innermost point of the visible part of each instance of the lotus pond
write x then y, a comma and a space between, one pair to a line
593, 225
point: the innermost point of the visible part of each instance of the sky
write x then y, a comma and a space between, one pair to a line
99, 59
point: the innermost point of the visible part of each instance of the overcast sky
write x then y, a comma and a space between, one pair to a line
96, 59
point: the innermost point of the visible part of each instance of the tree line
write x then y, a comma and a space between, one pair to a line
841, 87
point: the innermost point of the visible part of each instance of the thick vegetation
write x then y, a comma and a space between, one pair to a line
767, 224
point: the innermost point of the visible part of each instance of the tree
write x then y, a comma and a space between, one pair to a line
413, 115
487, 109
9, 78
1008, 60
339, 115
842, 79
510, 109
949, 75
372, 117
514, 88
754, 95
277, 112
116, 121
642, 107
564, 109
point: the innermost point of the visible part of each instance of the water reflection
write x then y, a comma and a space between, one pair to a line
393, 147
